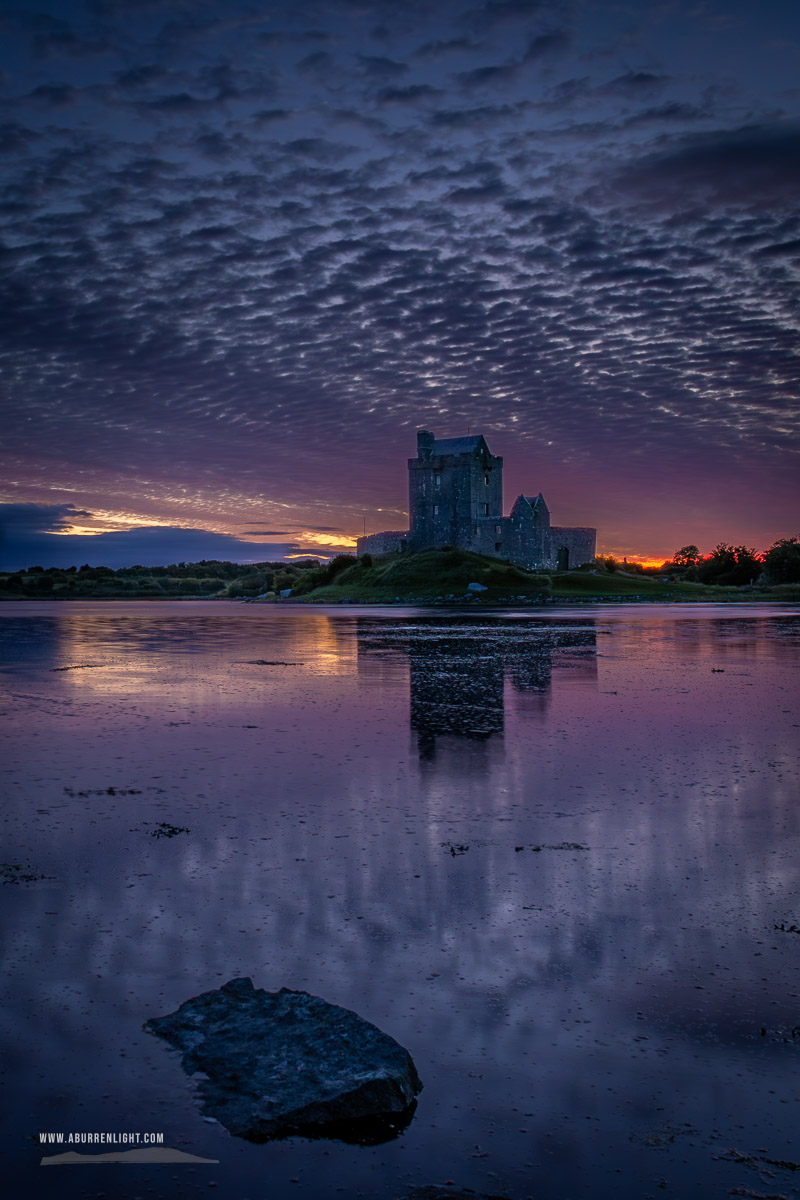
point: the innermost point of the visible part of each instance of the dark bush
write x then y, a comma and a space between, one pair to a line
782, 561
730, 566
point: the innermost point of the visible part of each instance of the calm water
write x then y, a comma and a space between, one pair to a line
586, 1017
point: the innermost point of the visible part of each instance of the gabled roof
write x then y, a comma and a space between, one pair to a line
533, 502
462, 445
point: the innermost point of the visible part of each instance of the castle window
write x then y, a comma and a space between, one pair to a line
486, 510
437, 478
497, 545
486, 480
436, 510
498, 529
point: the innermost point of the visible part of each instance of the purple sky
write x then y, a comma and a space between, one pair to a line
249, 248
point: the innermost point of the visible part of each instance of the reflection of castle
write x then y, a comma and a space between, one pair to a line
456, 687
458, 668
455, 488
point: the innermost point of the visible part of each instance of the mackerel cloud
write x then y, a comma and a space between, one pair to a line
239, 244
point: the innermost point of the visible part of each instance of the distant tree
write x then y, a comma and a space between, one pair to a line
281, 580
314, 574
633, 568
730, 566
608, 562
687, 556
782, 561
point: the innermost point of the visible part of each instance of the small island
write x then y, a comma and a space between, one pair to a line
431, 577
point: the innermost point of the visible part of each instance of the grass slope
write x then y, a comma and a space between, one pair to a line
429, 575
439, 575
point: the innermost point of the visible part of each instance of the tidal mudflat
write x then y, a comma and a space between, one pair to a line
555, 855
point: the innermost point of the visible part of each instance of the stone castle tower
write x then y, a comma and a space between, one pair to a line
455, 488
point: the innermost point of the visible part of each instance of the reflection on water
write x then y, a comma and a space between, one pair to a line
582, 980
458, 668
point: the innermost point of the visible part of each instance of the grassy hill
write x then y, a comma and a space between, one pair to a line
429, 577
443, 576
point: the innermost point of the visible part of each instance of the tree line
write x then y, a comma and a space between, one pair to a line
207, 578
727, 566
735, 566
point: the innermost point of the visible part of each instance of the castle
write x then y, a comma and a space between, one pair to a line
455, 488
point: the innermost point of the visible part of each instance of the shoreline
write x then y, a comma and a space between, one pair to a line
471, 604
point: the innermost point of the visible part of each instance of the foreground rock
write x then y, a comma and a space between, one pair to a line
281, 1063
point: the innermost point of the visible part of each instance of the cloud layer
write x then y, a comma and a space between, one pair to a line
32, 535
246, 252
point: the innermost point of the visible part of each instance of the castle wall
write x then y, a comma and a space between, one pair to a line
579, 543
450, 493
382, 543
492, 536
529, 534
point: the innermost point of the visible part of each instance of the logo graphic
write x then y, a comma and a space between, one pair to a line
152, 1154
